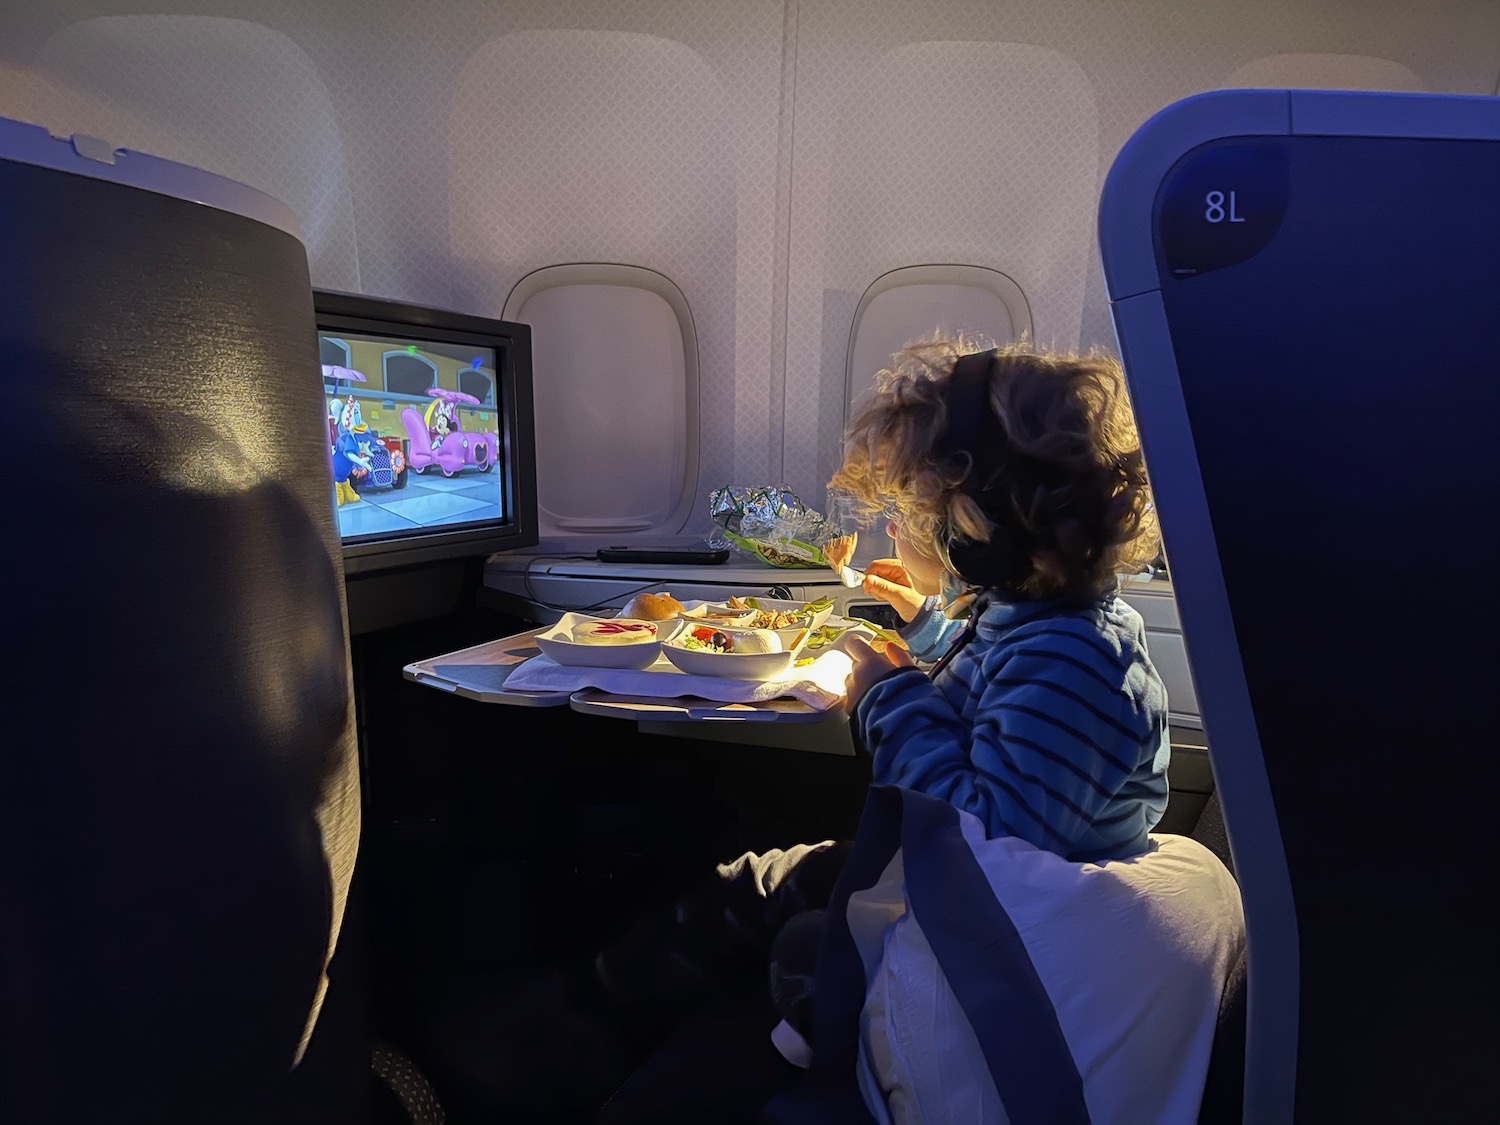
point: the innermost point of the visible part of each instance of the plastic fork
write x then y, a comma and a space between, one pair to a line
851, 577
842, 547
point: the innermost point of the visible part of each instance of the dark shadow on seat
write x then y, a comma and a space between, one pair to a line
1224, 1087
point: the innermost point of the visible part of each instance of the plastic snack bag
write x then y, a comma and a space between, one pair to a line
769, 523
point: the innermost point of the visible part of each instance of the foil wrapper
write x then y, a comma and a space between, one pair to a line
771, 524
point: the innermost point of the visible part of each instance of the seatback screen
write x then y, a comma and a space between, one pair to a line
414, 434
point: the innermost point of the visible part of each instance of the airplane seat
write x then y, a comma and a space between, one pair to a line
180, 809
1349, 702
615, 383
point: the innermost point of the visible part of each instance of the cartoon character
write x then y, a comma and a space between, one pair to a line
351, 451
440, 421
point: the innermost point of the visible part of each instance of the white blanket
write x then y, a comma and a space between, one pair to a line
1132, 956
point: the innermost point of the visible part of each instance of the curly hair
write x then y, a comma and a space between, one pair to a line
1067, 480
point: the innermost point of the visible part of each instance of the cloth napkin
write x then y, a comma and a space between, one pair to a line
819, 684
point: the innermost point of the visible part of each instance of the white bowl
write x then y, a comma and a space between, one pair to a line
791, 634
558, 644
717, 614
784, 605
726, 665
834, 621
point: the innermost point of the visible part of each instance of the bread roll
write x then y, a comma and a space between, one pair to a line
652, 607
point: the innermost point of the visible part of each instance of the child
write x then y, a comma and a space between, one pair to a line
1076, 965
1017, 494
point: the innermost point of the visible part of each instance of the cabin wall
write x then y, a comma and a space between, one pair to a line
772, 158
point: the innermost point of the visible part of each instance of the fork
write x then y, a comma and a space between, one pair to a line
842, 547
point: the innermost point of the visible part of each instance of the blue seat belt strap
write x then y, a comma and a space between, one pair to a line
981, 956
988, 968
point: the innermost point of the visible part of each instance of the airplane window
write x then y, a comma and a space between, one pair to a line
616, 392
916, 302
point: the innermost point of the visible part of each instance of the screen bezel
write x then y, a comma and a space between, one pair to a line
511, 342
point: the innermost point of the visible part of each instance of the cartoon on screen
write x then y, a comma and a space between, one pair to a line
438, 436
412, 439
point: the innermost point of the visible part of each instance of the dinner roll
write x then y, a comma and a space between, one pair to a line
652, 607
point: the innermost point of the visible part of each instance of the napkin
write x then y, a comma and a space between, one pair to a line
819, 684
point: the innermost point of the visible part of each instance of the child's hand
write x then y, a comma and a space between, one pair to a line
872, 662
888, 580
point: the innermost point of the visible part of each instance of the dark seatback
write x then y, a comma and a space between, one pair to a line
1286, 416
179, 804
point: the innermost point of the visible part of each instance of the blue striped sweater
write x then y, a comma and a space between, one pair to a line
1050, 725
